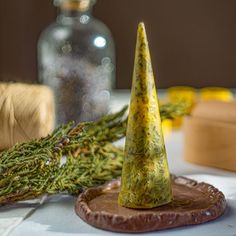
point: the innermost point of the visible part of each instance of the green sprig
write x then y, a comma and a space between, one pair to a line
70, 159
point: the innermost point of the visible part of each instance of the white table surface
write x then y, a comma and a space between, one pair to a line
57, 216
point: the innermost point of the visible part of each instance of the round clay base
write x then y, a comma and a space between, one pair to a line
193, 203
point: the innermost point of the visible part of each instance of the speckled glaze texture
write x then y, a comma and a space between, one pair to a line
145, 181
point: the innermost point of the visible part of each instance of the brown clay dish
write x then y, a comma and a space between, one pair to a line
193, 203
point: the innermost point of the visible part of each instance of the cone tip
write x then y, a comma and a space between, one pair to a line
141, 26
142, 36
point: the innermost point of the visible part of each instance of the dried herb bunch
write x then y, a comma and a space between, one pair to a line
174, 110
70, 159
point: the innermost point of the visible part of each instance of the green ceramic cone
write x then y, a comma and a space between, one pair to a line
145, 181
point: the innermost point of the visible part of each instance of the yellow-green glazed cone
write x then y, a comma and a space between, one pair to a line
145, 181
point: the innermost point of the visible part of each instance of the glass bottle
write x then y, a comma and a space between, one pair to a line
76, 59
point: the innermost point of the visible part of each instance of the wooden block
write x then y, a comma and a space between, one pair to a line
216, 111
209, 142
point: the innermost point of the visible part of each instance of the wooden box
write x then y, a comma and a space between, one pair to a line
210, 135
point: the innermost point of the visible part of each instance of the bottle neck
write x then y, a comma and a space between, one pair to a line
74, 13
75, 10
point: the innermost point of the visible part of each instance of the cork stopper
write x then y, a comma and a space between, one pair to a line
145, 181
71, 5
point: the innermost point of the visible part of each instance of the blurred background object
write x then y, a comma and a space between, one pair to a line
192, 42
182, 93
26, 113
210, 134
191, 96
214, 93
77, 60
185, 94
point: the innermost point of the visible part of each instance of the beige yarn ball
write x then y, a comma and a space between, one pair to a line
26, 112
